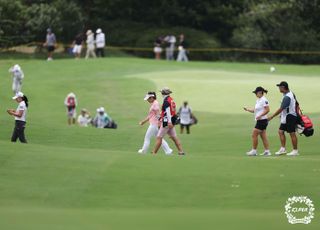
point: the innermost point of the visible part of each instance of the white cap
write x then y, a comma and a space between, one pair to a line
100, 109
98, 31
148, 96
71, 95
19, 94
16, 67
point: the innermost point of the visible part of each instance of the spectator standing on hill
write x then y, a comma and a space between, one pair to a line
157, 48
50, 43
100, 43
77, 45
182, 55
170, 46
17, 77
153, 119
71, 103
20, 117
90, 45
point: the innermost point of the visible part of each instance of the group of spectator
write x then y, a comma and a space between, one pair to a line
101, 119
95, 44
169, 42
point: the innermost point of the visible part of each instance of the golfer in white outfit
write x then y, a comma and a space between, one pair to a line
17, 77
153, 118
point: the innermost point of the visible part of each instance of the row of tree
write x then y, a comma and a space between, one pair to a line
261, 24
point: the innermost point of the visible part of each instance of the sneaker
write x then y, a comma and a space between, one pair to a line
293, 153
252, 153
281, 152
266, 153
141, 151
170, 152
181, 154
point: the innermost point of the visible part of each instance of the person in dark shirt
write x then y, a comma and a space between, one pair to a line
168, 120
77, 45
182, 55
288, 119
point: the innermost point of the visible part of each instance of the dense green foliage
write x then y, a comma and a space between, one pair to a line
258, 24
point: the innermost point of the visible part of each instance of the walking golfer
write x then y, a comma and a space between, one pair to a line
288, 120
17, 77
20, 117
168, 119
260, 111
153, 118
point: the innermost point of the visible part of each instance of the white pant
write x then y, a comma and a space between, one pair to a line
152, 132
182, 55
90, 51
16, 85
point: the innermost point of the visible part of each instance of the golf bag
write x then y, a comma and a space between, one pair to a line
304, 123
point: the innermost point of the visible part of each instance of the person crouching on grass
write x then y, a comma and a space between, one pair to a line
20, 117
152, 118
260, 111
168, 119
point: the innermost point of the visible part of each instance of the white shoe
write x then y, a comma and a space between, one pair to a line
293, 153
170, 152
281, 152
141, 151
252, 153
266, 153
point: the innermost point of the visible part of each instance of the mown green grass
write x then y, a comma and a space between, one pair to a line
86, 178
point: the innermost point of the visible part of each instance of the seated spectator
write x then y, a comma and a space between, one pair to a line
102, 120
84, 118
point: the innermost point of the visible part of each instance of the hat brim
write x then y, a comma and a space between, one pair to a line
15, 97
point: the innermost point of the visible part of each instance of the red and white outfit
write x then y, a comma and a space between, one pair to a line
168, 112
152, 131
71, 103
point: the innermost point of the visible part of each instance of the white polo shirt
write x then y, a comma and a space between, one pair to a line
22, 106
261, 104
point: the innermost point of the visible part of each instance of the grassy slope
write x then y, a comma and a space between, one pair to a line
73, 178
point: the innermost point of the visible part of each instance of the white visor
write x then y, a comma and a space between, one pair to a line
148, 96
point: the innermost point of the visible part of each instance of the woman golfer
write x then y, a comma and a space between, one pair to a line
20, 117
260, 111
153, 118
168, 120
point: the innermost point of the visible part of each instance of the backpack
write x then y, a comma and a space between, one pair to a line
304, 123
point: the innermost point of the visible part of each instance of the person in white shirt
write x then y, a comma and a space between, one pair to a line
17, 77
186, 116
90, 45
100, 43
20, 117
84, 118
260, 111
